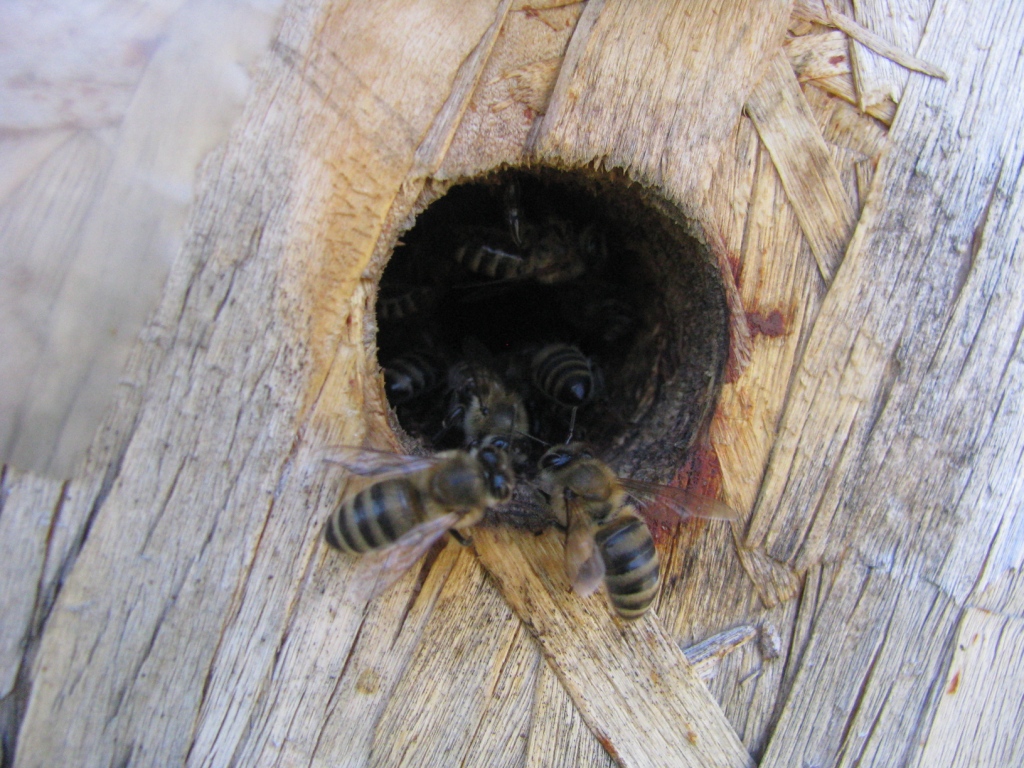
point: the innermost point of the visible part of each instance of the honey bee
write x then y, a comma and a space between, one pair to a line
399, 302
606, 539
484, 407
513, 204
412, 375
413, 501
563, 374
551, 253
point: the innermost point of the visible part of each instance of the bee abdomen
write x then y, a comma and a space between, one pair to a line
563, 373
376, 516
632, 569
406, 304
490, 262
410, 375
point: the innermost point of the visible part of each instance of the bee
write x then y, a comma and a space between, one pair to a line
593, 310
413, 501
411, 375
551, 253
565, 375
484, 406
479, 255
513, 204
399, 302
606, 539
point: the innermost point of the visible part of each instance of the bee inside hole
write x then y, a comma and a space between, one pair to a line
574, 305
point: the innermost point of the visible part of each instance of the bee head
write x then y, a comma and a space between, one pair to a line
497, 471
561, 456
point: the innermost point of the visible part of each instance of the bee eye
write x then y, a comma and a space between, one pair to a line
555, 459
500, 488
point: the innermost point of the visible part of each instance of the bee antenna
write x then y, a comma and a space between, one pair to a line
572, 426
545, 443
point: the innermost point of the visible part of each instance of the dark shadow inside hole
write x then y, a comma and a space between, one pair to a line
628, 286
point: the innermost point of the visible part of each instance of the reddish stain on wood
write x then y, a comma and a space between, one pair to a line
701, 474
954, 684
607, 744
772, 325
835, 61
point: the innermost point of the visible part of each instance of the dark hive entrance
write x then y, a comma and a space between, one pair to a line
603, 266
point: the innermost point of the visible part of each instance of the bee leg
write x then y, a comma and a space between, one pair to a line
463, 540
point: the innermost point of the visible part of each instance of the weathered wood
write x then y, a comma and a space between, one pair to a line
786, 126
205, 623
559, 738
979, 717
909, 358
180, 616
603, 662
28, 508
901, 22
636, 90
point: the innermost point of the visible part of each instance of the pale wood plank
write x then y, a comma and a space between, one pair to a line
559, 737
843, 125
824, 12
875, 703
504, 733
28, 508
139, 656
514, 88
640, 89
980, 717
869, 363
604, 662
819, 55
867, 652
879, 44
786, 126
439, 706
781, 289
333, 675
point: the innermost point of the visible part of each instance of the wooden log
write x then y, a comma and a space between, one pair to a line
205, 623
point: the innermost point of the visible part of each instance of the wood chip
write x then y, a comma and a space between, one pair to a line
787, 127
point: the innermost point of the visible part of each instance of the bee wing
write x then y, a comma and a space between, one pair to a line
583, 562
385, 566
372, 463
682, 502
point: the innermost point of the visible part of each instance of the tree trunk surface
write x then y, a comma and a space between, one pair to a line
174, 602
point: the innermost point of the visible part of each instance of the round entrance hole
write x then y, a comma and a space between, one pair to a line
503, 266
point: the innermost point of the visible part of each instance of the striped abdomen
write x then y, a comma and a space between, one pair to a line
488, 261
376, 516
405, 303
562, 372
408, 376
631, 565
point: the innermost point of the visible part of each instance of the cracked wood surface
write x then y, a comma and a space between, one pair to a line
874, 435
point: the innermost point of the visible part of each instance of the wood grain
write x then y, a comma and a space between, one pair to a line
636, 92
180, 565
978, 720
603, 661
786, 126
874, 436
